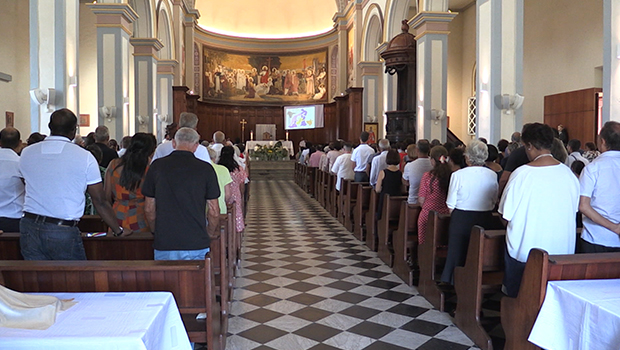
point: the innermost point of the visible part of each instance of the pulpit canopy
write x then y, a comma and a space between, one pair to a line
401, 50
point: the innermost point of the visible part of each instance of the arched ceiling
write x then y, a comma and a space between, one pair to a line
267, 19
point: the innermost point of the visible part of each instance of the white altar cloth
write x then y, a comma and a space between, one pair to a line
581, 314
286, 144
128, 321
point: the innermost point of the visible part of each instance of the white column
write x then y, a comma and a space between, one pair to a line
432, 72
165, 79
611, 60
372, 109
191, 18
341, 25
114, 28
500, 66
145, 69
53, 57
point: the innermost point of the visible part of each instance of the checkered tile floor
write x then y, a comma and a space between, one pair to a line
307, 283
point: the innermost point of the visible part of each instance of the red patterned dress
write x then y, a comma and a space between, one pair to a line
238, 176
128, 205
434, 199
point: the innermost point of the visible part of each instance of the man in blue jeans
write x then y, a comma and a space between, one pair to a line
178, 189
57, 172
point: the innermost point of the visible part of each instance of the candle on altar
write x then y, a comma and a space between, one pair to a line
251, 135
287, 136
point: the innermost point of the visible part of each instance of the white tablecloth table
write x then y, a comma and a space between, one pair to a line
286, 144
128, 321
581, 314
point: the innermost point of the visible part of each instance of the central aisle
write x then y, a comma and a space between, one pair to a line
307, 283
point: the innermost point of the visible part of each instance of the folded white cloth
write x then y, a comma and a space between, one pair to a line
18, 310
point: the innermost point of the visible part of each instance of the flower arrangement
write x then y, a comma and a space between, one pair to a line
269, 152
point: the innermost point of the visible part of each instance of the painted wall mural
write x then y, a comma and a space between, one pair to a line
263, 77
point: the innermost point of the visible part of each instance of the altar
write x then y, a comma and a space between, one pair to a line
286, 144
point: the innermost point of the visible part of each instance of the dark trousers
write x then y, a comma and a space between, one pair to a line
45, 241
584, 246
361, 176
9, 225
512, 275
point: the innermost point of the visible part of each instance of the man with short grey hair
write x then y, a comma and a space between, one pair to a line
218, 143
186, 120
102, 136
178, 188
378, 162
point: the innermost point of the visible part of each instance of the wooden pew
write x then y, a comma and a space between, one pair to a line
191, 283
361, 208
431, 258
92, 223
405, 242
297, 174
309, 180
519, 314
482, 274
371, 221
388, 223
138, 246
318, 178
349, 204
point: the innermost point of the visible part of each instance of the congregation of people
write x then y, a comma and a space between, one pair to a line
175, 190
540, 187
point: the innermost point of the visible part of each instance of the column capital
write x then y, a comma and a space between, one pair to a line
191, 17
371, 68
382, 47
426, 22
167, 66
114, 15
145, 46
340, 21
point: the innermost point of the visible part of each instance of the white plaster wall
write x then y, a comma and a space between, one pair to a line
14, 53
563, 45
87, 82
456, 107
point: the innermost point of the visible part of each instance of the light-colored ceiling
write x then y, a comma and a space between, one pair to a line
267, 18
270, 19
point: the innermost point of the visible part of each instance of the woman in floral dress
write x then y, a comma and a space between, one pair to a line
239, 176
434, 189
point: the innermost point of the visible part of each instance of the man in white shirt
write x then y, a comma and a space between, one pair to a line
343, 167
186, 120
333, 154
360, 156
218, 143
412, 174
600, 194
378, 162
57, 172
11, 184
573, 153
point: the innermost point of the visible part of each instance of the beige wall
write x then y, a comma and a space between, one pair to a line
88, 68
14, 60
563, 46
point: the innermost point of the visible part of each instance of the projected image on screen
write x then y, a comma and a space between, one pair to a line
300, 118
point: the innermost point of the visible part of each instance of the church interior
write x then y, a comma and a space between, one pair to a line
479, 68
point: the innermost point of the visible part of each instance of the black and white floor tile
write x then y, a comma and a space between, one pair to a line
306, 283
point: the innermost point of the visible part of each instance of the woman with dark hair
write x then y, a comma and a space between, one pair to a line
539, 203
123, 182
457, 159
390, 180
434, 188
591, 152
491, 161
238, 174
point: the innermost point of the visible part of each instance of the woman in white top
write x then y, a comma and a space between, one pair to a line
471, 199
539, 203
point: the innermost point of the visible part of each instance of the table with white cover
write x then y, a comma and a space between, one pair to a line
286, 144
580, 314
129, 321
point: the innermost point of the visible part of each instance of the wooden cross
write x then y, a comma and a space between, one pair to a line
243, 122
